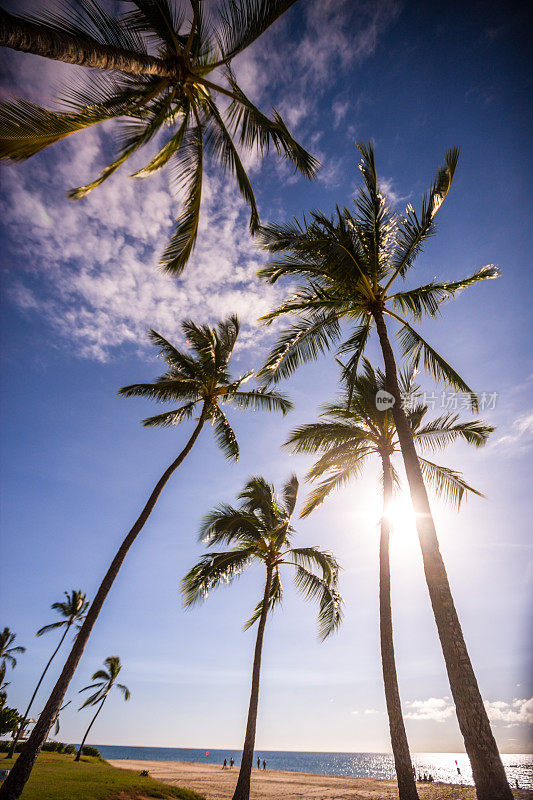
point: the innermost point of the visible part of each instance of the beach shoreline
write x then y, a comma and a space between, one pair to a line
216, 783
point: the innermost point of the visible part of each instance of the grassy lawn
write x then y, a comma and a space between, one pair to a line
58, 777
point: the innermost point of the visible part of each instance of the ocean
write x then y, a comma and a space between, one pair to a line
365, 765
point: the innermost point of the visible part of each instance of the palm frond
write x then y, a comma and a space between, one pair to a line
51, 627
241, 22
447, 483
303, 341
263, 398
125, 691
290, 495
211, 571
174, 357
416, 348
27, 128
414, 230
428, 299
313, 557
257, 131
316, 436
225, 435
188, 178
88, 20
329, 600
448, 428
169, 419
219, 141
229, 525
163, 389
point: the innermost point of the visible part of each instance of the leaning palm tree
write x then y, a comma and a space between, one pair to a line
8, 651
72, 610
196, 380
164, 66
352, 431
104, 683
259, 530
349, 265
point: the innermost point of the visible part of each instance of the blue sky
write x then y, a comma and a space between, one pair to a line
80, 289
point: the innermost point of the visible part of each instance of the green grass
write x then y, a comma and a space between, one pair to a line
59, 777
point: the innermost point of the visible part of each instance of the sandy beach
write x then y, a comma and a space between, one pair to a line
218, 784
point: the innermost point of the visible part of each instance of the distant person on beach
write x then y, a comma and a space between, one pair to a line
517, 786
264, 764
225, 764
258, 763
231, 762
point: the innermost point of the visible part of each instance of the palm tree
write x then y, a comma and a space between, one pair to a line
155, 63
349, 264
72, 610
260, 530
8, 652
104, 683
352, 431
198, 379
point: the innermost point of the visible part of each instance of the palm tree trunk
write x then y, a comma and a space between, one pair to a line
78, 754
30, 37
12, 787
400, 747
487, 768
21, 726
242, 790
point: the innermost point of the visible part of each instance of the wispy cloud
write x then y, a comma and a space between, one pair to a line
520, 435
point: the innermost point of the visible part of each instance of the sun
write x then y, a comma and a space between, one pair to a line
401, 517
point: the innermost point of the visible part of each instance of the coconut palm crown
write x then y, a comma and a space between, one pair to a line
163, 66
105, 679
201, 378
9, 651
72, 610
354, 429
259, 530
350, 264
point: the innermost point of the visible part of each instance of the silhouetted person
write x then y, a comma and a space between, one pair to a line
258, 763
231, 763
264, 764
225, 764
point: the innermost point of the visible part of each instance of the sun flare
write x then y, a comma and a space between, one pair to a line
401, 516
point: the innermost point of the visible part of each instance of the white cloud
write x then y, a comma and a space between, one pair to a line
91, 266
520, 434
515, 713
436, 709
371, 711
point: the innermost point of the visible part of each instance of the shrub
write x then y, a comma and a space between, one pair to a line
91, 751
145, 773
70, 749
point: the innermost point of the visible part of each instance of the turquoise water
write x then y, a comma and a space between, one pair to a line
365, 765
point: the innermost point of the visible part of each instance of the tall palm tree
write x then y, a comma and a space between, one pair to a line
200, 379
157, 61
72, 610
259, 530
349, 265
104, 683
351, 432
8, 651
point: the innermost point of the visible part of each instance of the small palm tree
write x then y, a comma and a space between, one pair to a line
349, 265
156, 62
197, 380
259, 530
353, 431
104, 683
72, 610
8, 652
